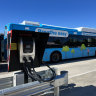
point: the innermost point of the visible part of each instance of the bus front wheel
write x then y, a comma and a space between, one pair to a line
55, 57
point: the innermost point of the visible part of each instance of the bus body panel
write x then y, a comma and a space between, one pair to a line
68, 55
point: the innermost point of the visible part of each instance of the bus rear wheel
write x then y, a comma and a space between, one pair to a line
55, 57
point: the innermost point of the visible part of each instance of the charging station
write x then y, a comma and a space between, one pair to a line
25, 44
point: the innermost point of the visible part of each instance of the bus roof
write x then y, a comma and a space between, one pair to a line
58, 27
85, 29
42, 25
37, 25
53, 30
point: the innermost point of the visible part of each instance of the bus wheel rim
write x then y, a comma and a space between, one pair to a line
55, 57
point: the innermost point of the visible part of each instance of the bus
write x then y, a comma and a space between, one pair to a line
63, 43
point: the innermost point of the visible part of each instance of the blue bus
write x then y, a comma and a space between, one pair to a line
63, 43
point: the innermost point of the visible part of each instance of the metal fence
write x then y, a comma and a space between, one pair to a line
33, 88
6, 82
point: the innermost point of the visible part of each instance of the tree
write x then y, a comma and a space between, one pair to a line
65, 49
72, 51
83, 47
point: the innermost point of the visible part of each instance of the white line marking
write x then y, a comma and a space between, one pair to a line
81, 74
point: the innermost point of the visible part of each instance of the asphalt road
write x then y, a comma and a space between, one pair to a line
83, 85
82, 78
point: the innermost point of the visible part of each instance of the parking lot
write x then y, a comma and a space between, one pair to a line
82, 76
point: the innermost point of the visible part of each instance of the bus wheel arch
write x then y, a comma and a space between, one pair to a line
55, 56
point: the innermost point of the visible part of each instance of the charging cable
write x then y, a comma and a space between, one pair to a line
41, 79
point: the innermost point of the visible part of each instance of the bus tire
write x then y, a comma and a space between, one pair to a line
55, 57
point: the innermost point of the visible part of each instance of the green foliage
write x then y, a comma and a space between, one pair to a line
83, 47
73, 51
65, 49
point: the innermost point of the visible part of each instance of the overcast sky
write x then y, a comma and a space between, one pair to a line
66, 13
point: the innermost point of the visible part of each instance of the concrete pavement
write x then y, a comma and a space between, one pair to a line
84, 85
82, 78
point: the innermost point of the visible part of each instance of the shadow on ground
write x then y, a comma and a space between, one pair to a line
71, 60
72, 90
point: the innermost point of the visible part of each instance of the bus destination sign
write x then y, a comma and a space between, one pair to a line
52, 32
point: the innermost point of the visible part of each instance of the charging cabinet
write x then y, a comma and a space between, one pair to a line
25, 43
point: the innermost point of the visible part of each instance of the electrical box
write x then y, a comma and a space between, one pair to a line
25, 44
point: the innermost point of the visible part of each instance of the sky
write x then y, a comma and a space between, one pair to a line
65, 13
